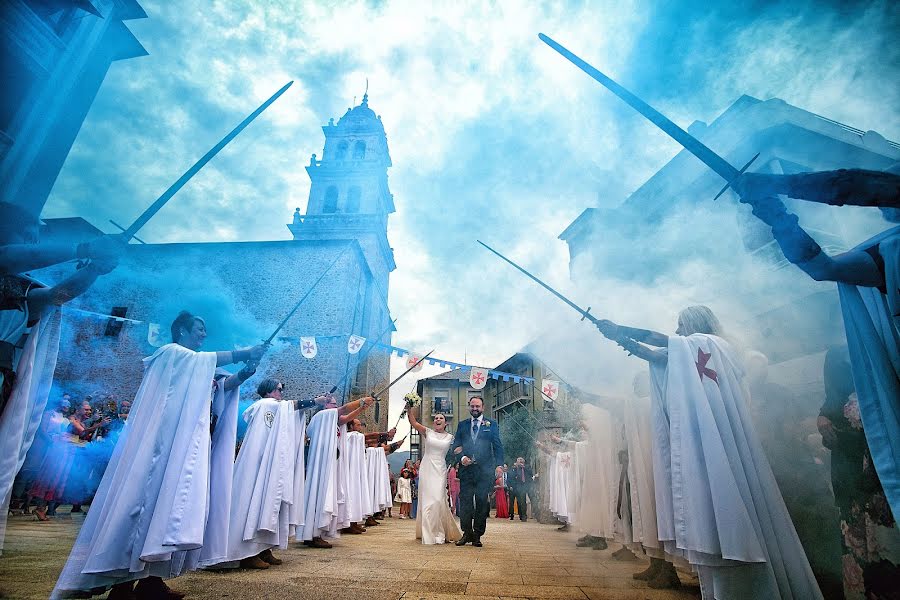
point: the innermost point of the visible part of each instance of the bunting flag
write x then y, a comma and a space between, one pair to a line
355, 344
478, 378
154, 337
412, 360
550, 389
308, 347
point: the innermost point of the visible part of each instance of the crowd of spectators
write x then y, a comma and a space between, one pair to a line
71, 449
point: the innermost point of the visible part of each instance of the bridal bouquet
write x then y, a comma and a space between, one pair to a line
412, 399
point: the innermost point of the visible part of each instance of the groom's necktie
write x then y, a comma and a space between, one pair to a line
475, 429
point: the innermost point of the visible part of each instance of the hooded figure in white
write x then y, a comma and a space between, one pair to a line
162, 507
717, 501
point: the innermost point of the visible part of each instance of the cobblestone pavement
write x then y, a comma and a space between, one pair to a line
518, 560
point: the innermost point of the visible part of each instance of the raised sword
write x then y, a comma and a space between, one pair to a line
722, 167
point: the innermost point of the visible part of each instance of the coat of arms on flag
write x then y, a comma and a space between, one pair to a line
550, 389
478, 377
411, 360
154, 338
355, 343
308, 347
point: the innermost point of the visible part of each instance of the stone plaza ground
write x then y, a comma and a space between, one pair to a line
518, 560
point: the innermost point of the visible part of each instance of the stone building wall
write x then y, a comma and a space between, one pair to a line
243, 290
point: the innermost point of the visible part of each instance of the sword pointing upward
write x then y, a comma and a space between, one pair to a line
173, 189
585, 314
712, 160
399, 377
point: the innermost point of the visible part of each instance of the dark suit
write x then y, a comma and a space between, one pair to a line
519, 489
476, 481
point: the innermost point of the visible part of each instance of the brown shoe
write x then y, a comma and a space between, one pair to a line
624, 553
350, 530
154, 588
317, 542
650, 572
254, 562
371, 522
267, 556
357, 527
122, 591
666, 578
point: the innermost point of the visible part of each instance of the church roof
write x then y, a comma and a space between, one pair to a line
361, 118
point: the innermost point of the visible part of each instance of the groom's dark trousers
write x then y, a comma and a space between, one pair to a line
474, 500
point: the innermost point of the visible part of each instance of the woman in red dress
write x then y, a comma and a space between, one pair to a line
500, 498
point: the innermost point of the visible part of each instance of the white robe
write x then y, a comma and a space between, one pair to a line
639, 436
22, 413
379, 479
162, 505
872, 323
359, 502
266, 502
561, 488
596, 511
721, 505
325, 510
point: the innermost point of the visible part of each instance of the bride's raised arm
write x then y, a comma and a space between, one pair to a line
414, 423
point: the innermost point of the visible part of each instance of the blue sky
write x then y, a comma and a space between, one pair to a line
492, 135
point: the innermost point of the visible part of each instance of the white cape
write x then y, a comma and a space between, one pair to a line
266, 500
596, 511
872, 323
164, 496
379, 479
324, 499
721, 506
22, 413
639, 436
562, 471
359, 501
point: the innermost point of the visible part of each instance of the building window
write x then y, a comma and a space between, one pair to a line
353, 195
113, 326
341, 153
331, 197
442, 402
359, 150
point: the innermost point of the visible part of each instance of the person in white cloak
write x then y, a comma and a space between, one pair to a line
717, 501
31, 311
380, 479
661, 573
162, 506
560, 472
359, 501
327, 470
267, 490
868, 279
595, 515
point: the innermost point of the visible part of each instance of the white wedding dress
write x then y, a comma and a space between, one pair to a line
435, 524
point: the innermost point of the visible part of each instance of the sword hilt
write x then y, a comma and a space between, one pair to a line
587, 314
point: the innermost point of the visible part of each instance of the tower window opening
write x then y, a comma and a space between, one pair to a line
331, 198
353, 195
342, 150
359, 150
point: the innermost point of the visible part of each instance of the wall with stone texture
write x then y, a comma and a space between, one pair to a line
243, 290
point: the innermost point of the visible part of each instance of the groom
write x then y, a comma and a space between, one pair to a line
477, 446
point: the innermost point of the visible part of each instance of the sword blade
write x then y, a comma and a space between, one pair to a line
305, 296
173, 189
584, 313
712, 160
399, 377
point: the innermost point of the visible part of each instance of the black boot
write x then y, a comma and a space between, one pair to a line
651, 571
666, 578
465, 539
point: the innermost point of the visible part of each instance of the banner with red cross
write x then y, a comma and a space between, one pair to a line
550, 389
308, 347
478, 377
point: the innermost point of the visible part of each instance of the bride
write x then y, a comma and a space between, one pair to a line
434, 522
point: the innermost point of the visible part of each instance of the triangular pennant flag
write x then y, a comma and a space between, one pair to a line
308, 347
550, 388
355, 343
154, 337
478, 377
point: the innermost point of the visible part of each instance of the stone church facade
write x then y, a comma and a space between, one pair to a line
339, 256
